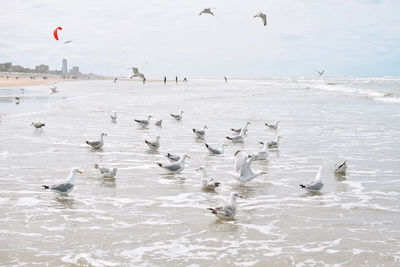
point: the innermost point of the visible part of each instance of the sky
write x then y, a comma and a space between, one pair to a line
168, 37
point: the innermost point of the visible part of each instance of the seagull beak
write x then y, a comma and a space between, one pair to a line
265, 172
261, 143
80, 172
280, 136
189, 157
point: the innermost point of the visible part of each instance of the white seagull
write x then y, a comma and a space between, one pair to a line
228, 211
273, 126
136, 73
239, 138
114, 117
240, 129
177, 117
341, 167
262, 16
38, 125
144, 123
208, 184
243, 171
214, 150
207, 11
64, 188
153, 145
158, 123
97, 144
274, 143
316, 184
175, 167
53, 89
263, 154
106, 172
200, 133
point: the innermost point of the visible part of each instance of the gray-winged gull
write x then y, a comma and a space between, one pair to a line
177, 117
243, 171
207, 11
153, 145
158, 123
239, 138
136, 73
273, 126
320, 72
228, 211
316, 184
214, 150
97, 144
263, 154
173, 157
38, 125
274, 143
64, 188
262, 16
113, 117
175, 167
200, 133
341, 167
207, 183
240, 129
144, 123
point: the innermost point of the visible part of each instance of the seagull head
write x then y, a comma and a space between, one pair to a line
76, 170
235, 195
103, 134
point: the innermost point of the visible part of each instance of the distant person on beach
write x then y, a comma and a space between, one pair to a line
165, 80
185, 80
144, 80
176, 79
226, 80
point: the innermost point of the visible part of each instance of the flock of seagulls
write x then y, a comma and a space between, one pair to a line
243, 171
260, 15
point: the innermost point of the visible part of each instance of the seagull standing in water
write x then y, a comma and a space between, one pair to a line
153, 145
175, 167
316, 184
243, 171
158, 123
177, 117
106, 172
114, 117
273, 126
263, 154
53, 89
97, 144
275, 143
262, 16
144, 123
240, 129
38, 125
216, 151
228, 211
341, 167
64, 188
207, 11
208, 184
239, 138
200, 133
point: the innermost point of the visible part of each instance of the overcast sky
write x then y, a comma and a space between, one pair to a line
168, 37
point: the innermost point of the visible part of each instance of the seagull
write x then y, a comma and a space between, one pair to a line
67, 42
273, 126
240, 129
177, 117
153, 145
136, 73
208, 184
64, 188
97, 144
262, 16
316, 184
110, 174
102, 169
114, 117
341, 167
53, 89
239, 138
115, 80
228, 211
226, 79
144, 123
263, 154
200, 133
320, 72
273, 144
173, 157
175, 167
214, 150
207, 11
38, 125
243, 167
158, 123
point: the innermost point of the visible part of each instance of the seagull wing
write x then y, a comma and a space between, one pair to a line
240, 160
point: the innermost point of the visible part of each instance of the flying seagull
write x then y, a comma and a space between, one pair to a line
136, 73
67, 42
320, 72
262, 16
207, 11
243, 171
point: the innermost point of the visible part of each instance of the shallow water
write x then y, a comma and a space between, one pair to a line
148, 217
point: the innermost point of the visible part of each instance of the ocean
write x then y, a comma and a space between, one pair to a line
146, 216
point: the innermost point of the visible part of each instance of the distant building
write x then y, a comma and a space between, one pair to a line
18, 68
6, 66
42, 68
74, 71
64, 68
